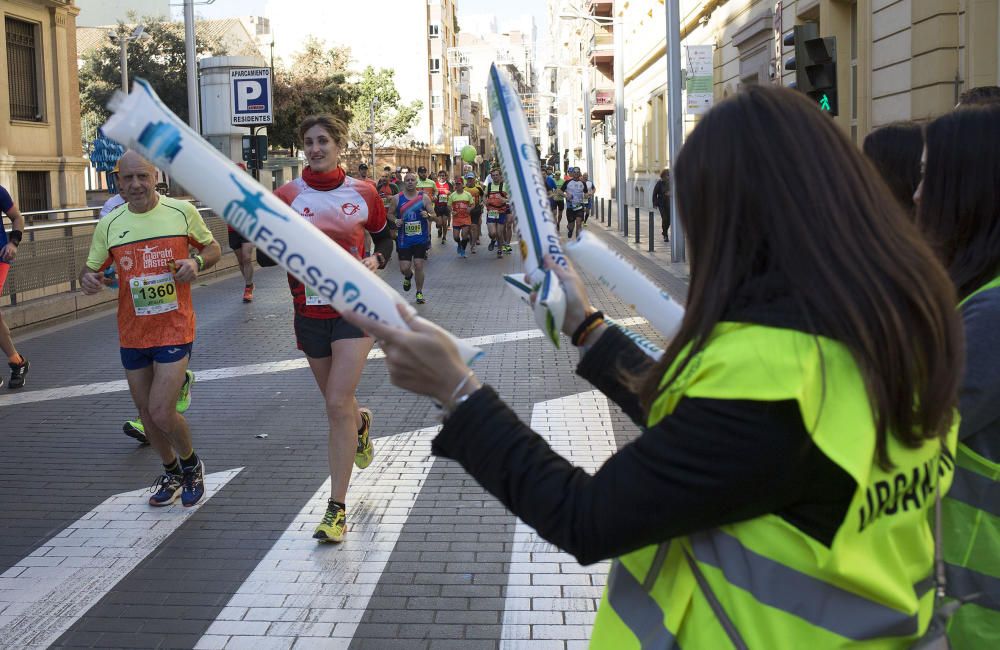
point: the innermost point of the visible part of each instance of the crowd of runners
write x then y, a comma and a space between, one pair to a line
143, 249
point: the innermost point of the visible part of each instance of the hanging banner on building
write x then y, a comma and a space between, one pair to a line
458, 143
699, 78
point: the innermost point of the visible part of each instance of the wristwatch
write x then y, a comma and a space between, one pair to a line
200, 260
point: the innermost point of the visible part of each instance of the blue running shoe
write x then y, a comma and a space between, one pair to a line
166, 489
193, 485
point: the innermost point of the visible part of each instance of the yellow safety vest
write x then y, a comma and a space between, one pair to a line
762, 583
970, 517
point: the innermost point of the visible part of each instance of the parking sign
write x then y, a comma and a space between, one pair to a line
251, 92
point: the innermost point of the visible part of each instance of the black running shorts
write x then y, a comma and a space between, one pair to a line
314, 335
236, 240
417, 251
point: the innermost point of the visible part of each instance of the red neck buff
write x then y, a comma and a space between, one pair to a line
323, 181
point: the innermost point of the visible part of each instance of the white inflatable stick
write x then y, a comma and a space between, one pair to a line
536, 227
142, 122
620, 277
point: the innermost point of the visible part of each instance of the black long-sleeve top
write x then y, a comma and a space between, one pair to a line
710, 462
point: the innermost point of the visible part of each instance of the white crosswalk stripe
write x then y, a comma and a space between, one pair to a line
45, 593
550, 597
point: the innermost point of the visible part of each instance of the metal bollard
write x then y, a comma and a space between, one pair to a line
624, 220
651, 237
637, 228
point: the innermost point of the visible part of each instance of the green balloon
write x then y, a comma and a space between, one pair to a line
469, 153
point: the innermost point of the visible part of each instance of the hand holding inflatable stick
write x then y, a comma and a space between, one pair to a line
142, 122
522, 171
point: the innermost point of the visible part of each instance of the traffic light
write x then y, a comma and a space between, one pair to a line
815, 65
254, 151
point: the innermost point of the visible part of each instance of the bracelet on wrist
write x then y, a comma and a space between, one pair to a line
200, 261
449, 406
16, 236
589, 324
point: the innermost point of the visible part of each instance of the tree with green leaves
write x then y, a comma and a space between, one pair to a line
160, 59
393, 119
316, 82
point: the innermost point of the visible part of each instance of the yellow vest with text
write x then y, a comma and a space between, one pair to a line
971, 544
762, 583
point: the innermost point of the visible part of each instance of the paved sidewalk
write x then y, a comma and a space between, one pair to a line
432, 561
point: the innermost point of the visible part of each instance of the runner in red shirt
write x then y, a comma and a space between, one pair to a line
344, 209
442, 190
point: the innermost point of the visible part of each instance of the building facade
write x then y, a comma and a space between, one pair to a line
41, 158
484, 41
896, 60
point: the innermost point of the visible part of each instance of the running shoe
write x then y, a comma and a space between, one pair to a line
406, 284
248, 293
499, 252
508, 249
165, 489
461, 253
493, 244
134, 429
18, 373
184, 399
334, 524
420, 298
458, 249
193, 485
366, 450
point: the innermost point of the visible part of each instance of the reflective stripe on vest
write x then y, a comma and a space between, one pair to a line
974, 489
637, 610
784, 588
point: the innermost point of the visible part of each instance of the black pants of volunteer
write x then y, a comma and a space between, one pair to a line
665, 220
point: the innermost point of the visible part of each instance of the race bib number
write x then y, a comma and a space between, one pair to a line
492, 214
413, 228
387, 202
314, 299
153, 294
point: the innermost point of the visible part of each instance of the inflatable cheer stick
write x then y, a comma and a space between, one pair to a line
142, 122
621, 278
536, 227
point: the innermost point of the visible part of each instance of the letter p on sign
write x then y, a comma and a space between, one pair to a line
247, 90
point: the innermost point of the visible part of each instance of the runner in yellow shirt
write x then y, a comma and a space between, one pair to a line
149, 241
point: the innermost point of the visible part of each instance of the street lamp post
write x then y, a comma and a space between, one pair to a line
675, 123
192, 66
619, 36
122, 40
371, 124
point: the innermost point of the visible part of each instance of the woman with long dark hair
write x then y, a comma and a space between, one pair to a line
895, 151
344, 209
959, 209
795, 428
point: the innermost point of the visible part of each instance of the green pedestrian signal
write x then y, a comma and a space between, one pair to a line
824, 103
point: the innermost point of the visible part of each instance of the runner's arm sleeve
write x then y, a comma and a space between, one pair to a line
608, 364
99, 257
199, 235
383, 244
6, 202
710, 463
979, 398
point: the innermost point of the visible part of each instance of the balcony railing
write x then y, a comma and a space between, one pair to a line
602, 45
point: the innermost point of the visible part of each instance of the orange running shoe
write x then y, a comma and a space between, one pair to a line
248, 293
